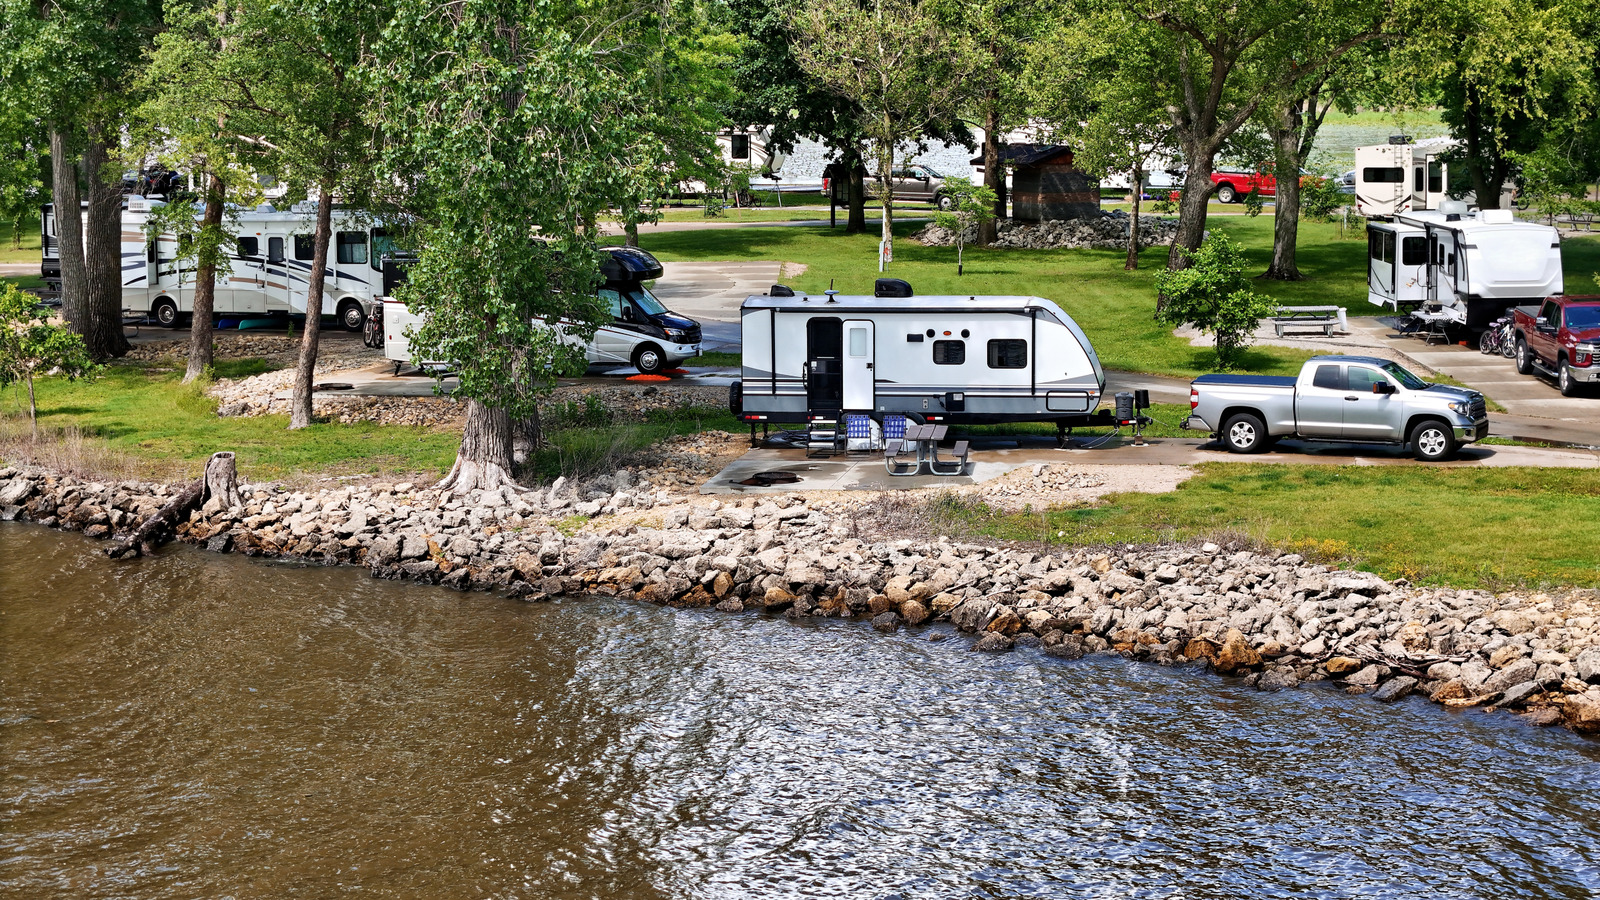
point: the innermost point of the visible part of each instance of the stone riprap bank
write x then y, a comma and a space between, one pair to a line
1271, 618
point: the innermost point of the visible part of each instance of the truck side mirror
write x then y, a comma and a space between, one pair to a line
1382, 387
1541, 323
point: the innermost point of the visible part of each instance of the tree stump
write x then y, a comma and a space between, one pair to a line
220, 481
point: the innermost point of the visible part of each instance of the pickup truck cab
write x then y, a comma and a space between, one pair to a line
1338, 398
1560, 338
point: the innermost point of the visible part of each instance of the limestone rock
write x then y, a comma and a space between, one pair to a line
1395, 688
993, 642
1236, 655
1513, 674
1342, 665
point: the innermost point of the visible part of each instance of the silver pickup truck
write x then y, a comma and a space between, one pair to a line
1338, 398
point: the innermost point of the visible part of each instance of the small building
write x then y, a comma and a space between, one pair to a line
1046, 185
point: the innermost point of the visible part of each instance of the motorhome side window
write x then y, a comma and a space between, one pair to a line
741, 146
949, 353
275, 250
352, 247
613, 301
1414, 251
304, 247
382, 245
249, 246
1008, 353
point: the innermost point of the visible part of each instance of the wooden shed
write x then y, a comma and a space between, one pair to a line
1046, 185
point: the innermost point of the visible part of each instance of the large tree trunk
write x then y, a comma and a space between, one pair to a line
300, 407
1197, 188
1285, 135
994, 174
102, 249
856, 192
1486, 180
631, 230
69, 230
1132, 262
205, 286
484, 460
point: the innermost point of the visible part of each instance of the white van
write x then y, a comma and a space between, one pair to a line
642, 332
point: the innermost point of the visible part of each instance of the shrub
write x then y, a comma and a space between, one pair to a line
1214, 295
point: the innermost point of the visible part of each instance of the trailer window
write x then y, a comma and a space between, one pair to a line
1435, 178
858, 342
1329, 377
249, 246
304, 247
949, 353
352, 247
1380, 245
1008, 353
275, 250
1383, 175
1414, 251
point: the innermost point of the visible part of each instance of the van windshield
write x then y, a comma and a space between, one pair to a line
647, 301
1406, 379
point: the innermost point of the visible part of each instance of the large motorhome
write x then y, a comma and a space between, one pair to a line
1466, 267
1401, 176
952, 359
267, 271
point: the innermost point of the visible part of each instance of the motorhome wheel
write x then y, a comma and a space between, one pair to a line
351, 316
165, 312
648, 359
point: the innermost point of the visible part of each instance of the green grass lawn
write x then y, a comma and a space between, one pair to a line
28, 252
146, 414
1463, 527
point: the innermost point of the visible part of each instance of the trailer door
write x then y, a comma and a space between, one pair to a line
858, 369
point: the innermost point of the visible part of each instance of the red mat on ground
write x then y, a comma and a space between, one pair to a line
648, 378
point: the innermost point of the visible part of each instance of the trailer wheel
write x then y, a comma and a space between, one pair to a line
1227, 193
736, 398
1245, 433
1524, 359
1433, 441
351, 316
165, 312
648, 359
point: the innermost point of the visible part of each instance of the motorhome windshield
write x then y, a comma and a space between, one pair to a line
647, 301
1408, 380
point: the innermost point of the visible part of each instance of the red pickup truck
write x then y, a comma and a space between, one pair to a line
1233, 186
1560, 338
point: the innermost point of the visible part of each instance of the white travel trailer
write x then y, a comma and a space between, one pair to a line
952, 359
1466, 267
269, 265
1401, 177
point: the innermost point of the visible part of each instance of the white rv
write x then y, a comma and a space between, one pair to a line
953, 359
642, 332
1400, 177
1466, 267
269, 265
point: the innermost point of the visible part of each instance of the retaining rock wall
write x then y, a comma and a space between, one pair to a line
1106, 232
1273, 619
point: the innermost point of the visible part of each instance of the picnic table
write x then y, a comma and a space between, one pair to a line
922, 442
1323, 317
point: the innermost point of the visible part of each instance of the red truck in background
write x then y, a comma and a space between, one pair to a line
1560, 338
1233, 186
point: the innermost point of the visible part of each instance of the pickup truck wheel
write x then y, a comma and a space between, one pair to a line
648, 359
1569, 386
1245, 433
1433, 441
944, 203
1524, 359
1227, 194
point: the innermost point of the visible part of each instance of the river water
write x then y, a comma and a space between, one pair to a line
195, 725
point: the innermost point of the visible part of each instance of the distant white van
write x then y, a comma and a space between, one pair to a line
642, 332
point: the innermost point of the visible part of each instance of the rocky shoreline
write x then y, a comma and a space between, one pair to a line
1274, 619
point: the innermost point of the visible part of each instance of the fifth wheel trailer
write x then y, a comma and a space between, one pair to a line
268, 264
1466, 267
951, 359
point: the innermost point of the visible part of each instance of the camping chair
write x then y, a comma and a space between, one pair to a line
893, 463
